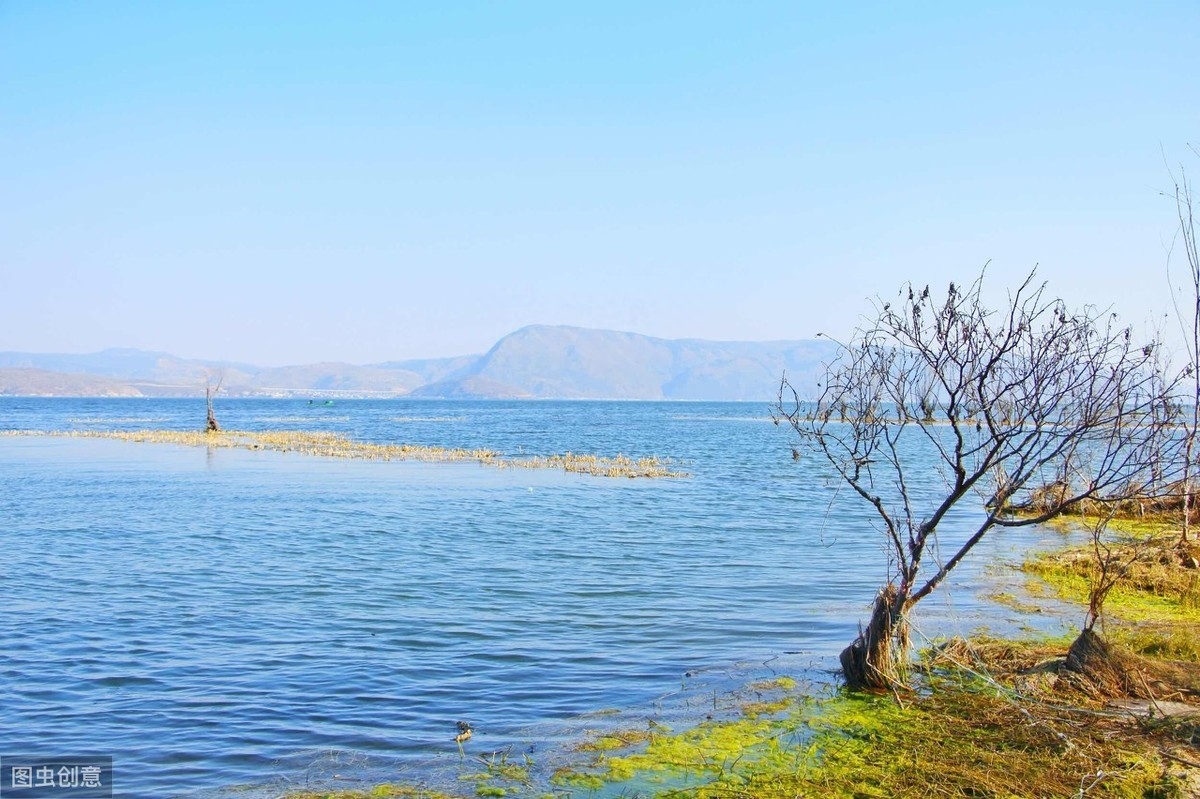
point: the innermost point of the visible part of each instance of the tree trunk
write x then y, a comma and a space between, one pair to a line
876, 659
1091, 657
212, 426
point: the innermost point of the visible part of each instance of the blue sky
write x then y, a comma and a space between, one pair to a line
293, 182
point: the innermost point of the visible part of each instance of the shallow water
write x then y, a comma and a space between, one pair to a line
214, 618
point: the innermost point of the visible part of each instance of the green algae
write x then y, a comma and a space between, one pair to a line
963, 737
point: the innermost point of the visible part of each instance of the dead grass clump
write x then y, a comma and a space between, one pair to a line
1101, 671
995, 655
1165, 505
1106, 671
1092, 670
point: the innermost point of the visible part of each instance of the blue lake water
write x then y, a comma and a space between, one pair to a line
217, 619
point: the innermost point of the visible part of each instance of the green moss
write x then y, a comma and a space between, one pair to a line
962, 736
776, 684
965, 738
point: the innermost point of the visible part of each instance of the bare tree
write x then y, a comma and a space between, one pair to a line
1189, 321
210, 391
1036, 406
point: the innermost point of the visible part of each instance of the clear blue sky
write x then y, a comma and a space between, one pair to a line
292, 182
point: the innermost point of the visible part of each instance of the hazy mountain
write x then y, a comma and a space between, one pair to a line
336, 377
132, 365
540, 361
161, 374
569, 362
432, 370
470, 387
26, 382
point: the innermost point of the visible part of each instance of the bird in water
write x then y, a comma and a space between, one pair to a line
464, 732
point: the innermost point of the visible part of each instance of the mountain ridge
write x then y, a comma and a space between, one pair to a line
533, 362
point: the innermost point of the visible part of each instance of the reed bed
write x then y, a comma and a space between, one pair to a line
332, 445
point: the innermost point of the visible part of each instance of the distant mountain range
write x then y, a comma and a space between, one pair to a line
537, 362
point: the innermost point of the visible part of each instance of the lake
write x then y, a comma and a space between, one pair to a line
224, 621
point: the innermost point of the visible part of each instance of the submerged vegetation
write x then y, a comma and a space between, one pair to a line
336, 446
1017, 732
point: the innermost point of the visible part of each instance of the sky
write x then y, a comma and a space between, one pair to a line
291, 182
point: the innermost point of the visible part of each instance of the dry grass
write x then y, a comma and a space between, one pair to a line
1164, 505
332, 445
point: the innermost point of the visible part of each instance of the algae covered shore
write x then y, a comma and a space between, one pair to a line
987, 717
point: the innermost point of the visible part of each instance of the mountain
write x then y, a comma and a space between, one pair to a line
336, 377
432, 370
576, 363
540, 361
132, 372
130, 365
27, 382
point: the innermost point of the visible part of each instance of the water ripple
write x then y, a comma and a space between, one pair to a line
225, 618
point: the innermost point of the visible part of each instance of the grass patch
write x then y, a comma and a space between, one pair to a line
1154, 609
1155, 588
610, 741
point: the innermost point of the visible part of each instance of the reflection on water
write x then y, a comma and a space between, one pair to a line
221, 617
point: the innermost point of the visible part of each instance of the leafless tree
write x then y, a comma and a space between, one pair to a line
1189, 321
1037, 406
210, 391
